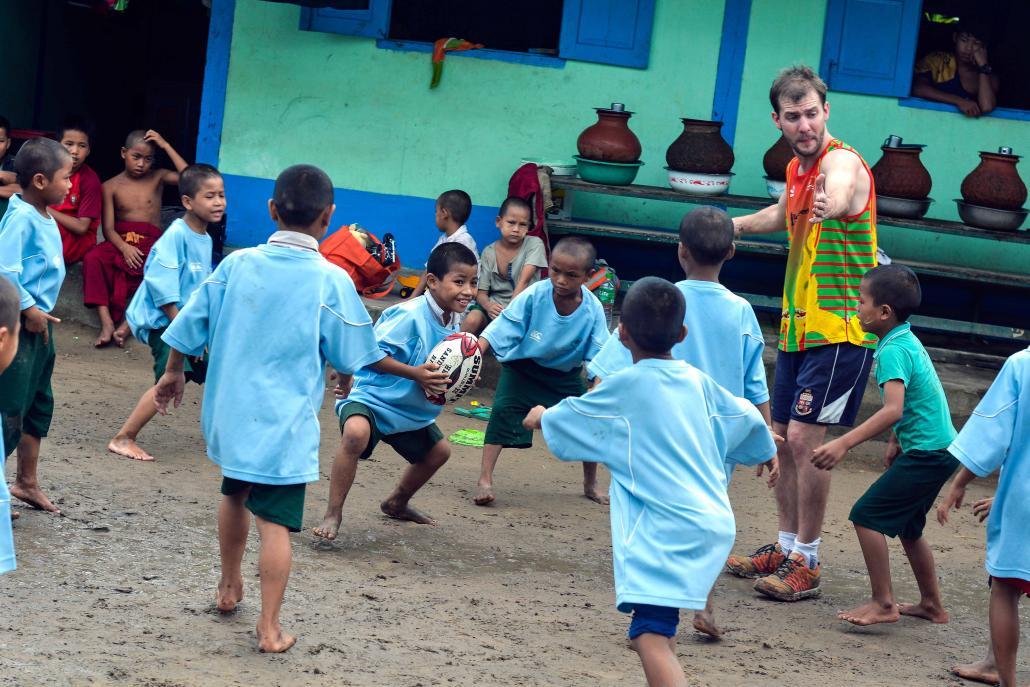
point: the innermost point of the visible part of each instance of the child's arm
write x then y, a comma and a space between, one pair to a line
425, 375
172, 382
829, 454
421, 288
171, 311
76, 225
956, 493
524, 280
892, 450
168, 176
534, 418
133, 256
492, 308
8, 184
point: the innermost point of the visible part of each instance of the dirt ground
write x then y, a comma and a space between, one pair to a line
119, 590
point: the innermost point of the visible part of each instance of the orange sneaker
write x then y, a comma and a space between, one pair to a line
762, 562
792, 581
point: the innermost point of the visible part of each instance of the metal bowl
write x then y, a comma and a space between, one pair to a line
990, 218
907, 208
699, 184
774, 187
611, 173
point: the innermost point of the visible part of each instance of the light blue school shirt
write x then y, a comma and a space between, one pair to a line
7, 561
178, 263
406, 332
664, 430
530, 328
271, 317
723, 340
997, 437
31, 254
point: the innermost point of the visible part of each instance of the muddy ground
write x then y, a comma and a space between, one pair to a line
119, 590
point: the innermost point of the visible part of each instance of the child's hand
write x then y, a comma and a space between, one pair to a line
169, 388
777, 439
952, 500
133, 256
155, 138
428, 378
344, 383
533, 419
982, 508
829, 454
892, 451
36, 322
773, 466
494, 309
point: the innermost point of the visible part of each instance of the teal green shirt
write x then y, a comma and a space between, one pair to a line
925, 422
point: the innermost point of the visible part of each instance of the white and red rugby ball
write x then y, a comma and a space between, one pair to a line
457, 356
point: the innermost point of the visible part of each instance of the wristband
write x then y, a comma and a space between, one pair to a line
986, 69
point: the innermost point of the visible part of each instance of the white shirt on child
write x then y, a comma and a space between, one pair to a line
664, 430
461, 236
271, 317
997, 437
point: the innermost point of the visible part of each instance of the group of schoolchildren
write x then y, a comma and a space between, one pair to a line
678, 392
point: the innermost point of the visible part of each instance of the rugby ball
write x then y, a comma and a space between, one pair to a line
457, 356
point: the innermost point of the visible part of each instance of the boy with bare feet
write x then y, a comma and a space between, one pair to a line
918, 463
10, 324
665, 431
271, 316
177, 265
997, 437
113, 270
30, 257
542, 339
388, 402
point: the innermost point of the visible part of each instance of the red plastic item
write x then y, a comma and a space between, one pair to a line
370, 278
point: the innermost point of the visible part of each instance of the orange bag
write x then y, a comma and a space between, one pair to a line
370, 277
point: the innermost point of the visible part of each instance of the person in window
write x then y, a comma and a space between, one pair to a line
962, 77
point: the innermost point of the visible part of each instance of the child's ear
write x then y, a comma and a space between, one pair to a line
327, 216
125, 151
432, 281
624, 337
682, 252
731, 252
682, 334
187, 202
272, 211
40, 181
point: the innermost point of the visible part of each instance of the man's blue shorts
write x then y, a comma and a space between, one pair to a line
821, 386
659, 620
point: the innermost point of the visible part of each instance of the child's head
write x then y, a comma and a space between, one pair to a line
203, 192
43, 168
572, 260
138, 154
76, 135
10, 322
652, 317
452, 276
513, 220
452, 209
706, 238
303, 200
888, 294
5, 136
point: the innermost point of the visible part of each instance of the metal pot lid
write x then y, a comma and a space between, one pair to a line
1003, 151
615, 108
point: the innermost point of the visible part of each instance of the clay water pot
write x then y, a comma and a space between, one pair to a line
901, 174
995, 183
700, 148
610, 139
776, 160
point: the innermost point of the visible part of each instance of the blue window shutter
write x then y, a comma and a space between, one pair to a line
373, 22
607, 31
869, 45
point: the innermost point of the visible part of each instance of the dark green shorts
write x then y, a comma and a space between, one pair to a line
26, 397
897, 503
196, 371
524, 384
413, 446
282, 504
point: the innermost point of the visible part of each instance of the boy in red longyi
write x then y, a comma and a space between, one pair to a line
78, 217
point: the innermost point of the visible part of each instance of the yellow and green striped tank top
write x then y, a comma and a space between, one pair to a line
825, 265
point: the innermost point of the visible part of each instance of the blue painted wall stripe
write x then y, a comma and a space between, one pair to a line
216, 77
732, 49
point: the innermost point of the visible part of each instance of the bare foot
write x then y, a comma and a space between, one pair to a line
591, 492
403, 511
33, 496
120, 335
934, 613
329, 528
125, 446
870, 613
104, 338
981, 671
705, 622
228, 595
485, 495
15, 515
275, 642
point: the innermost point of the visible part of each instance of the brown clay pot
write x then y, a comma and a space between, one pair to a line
700, 148
777, 158
610, 139
995, 183
901, 174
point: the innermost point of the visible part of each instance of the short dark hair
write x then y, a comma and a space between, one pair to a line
445, 256
793, 84
302, 193
137, 136
76, 123
39, 156
10, 305
515, 202
894, 285
652, 313
458, 203
194, 176
5, 125
707, 233
577, 247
